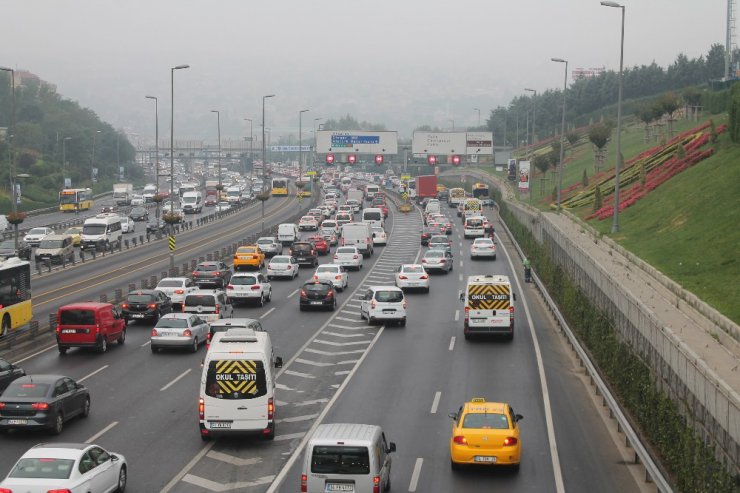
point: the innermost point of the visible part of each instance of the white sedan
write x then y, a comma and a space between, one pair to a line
412, 276
379, 236
308, 223
223, 206
347, 256
282, 266
179, 330
248, 287
334, 273
35, 235
67, 467
483, 247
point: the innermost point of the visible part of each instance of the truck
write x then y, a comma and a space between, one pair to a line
356, 194
489, 306
122, 193
150, 190
211, 196
426, 187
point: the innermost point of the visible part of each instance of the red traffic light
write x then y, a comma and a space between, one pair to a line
330, 159
432, 160
352, 159
456, 160
378, 159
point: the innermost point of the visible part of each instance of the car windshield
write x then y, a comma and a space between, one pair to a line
346, 250
140, 298
434, 254
279, 260
413, 269
26, 390
138, 210
485, 421
301, 247
77, 317
93, 229
244, 280
51, 244
474, 223
37, 231
164, 283
389, 296
372, 216
264, 242
483, 242
42, 468
327, 268
200, 300
247, 250
340, 460
172, 323
207, 267
439, 239
318, 287
8, 245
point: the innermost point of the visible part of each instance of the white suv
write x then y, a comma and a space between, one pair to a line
382, 303
177, 288
248, 287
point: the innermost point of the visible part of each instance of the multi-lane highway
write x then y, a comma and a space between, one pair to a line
337, 369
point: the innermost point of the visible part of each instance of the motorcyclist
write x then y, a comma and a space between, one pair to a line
527, 270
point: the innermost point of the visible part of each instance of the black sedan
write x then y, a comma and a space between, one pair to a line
8, 373
42, 402
155, 225
7, 249
146, 304
139, 214
318, 294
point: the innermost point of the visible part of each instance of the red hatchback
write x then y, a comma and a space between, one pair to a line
320, 243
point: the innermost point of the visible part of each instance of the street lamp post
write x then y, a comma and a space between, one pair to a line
300, 143
615, 218
315, 120
562, 128
478, 110
172, 150
534, 114
251, 140
156, 147
218, 119
92, 161
11, 150
264, 162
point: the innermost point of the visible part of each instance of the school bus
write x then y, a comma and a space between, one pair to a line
16, 308
75, 199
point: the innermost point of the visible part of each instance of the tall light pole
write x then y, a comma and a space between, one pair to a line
11, 151
264, 162
156, 145
300, 144
218, 119
315, 121
534, 114
562, 127
251, 140
92, 161
615, 218
172, 150
478, 110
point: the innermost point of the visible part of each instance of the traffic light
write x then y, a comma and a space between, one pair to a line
456, 160
432, 160
352, 159
330, 159
378, 159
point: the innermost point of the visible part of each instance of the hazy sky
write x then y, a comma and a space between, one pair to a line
403, 63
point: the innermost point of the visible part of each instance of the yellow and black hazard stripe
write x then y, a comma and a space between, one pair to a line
489, 297
239, 387
238, 367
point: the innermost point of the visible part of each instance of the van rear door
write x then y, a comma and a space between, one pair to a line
236, 395
340, 468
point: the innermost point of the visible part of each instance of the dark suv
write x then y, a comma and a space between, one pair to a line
305, 253
212, 273
146, 304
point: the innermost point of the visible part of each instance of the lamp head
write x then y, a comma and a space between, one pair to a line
559, 60
179, 67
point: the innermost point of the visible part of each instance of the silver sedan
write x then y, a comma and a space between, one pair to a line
179, 330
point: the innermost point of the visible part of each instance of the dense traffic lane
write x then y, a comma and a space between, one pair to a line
415, 376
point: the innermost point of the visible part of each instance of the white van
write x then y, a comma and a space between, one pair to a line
150, 190
359, 235
192, 202
347, 457
288, 233
432, 207
237, 387
102, 230
374, 216
370, 191
474, 227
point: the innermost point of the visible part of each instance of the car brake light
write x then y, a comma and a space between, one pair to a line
216, 273
315, 278
154, 332
179, 291
229, 286
304, 484
330, 294
152, 305
256, 287
405, 304
218, 308
338, 278
423, 261
373, 304
290, 267
124, 305
402, 277
201, 408
236, 258
510, 441
195, 273
376, 484
336, 257
355, 256
2, 405
65, 490
303, 294
460, 440
424, 277
40, 406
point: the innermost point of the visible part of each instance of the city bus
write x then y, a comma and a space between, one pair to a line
15, 294
480, 190
457, 195
75, 199
280, 187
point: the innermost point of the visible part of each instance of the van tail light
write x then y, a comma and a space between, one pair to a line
405, 304
218, 308
510, 441
236, 257
304, 484
467, 313
338, 278
201, 408
460, 440
511, 311
270, 409
2, 405
154, 333
373, 304
229, 286
187, 333
97, 329
256, 287
179, 291
355, 256
376, 484
341, 242
40, 406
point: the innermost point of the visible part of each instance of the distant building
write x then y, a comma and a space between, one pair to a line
24, 77
587, 73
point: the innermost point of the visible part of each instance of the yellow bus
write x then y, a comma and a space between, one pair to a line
480, 190
75, 199
280, 187
16, 309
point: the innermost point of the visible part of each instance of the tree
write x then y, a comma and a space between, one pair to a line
542, 162
599, 136
584, 178
646, 115
572, 138
715, 62
598, 199
669, 104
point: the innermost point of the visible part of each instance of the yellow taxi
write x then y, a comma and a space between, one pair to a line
74, 232
485, 433
249, 256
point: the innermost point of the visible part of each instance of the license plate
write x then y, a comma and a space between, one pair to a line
389, 311
244, 258
339, 487
165, 334
481, 458
137, 315
69, 331
220, 424
317, 302
17, 421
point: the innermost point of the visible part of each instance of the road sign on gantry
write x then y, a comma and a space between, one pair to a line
356, 142
479, 144
439, 143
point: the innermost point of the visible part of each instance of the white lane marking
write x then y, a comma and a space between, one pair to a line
329, 353
267, 313
101, 432
435, 402
34, 354
289, 436
559, 486
337, 334
298, 374
176, 379
214, 486
312, 363
343, 372
176, 479
461, 263
452, 343
351, 312
457, 315
296, 419
415, 475
349, 319
230, 459
293, 293
460, 277
146, 343
332, 343
91, 374
309, 403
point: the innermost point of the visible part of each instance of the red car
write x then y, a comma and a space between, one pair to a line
322, 246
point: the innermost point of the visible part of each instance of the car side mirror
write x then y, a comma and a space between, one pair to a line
278, 362
514, 296
518, 417
114, 457
462, 296
391, 447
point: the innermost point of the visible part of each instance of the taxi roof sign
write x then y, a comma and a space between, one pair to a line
478, 399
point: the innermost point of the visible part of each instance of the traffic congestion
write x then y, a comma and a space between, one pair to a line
254, 354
